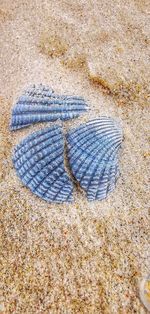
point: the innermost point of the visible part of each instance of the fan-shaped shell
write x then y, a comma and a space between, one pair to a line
93, 156
39, 162
41, 104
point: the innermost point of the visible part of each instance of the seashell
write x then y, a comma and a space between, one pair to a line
93, 156
41, 104
39, 162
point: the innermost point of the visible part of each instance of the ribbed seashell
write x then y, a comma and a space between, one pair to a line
93, 156
41, 104
39, 162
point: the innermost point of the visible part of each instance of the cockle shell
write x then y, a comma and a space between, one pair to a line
93, 156
41, 104
39, 162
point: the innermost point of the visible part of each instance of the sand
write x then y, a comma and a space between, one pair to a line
81, 257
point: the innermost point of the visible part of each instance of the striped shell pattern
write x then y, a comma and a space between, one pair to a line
93, 156
39, 162
92, 148
41, 104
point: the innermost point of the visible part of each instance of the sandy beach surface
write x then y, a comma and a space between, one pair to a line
84, 257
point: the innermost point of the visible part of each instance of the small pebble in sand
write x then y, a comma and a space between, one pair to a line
145, 292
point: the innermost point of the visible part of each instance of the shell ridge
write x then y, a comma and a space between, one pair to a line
69, 195
61, 187
87, 153
31, 119
15, 128
30, 109
38, 166
40, 133
78, 144
30, 100
33, 164
25, 156
95, 166
93, 194
34, 149
40, 171
107, 168
93, 155
32, 142
85, 131
113, 178
39, 104
91, 161
41, 168
45, 178
91, 135
37, 185
103, 176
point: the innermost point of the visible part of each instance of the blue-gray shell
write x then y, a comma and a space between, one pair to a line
39, 162
93, 156
41, 104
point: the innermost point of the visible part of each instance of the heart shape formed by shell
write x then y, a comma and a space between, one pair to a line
41, 104
39, 162
93, 156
